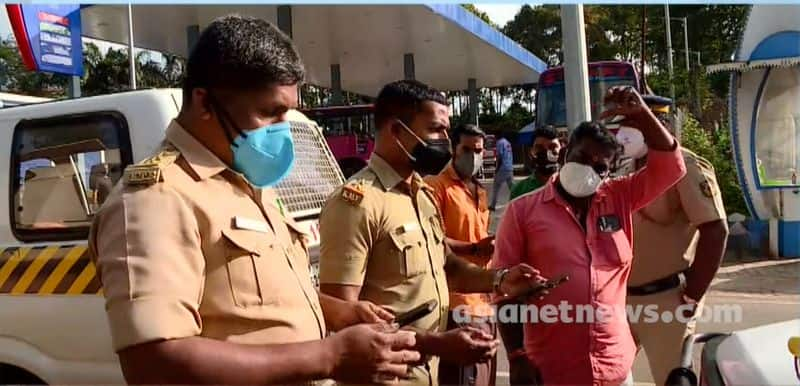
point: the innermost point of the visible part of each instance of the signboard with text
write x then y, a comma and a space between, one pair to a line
48, 37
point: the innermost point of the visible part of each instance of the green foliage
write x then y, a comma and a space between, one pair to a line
614, 32
716, 148
538, 29
103, 73
109, 73
15, 78
482, 15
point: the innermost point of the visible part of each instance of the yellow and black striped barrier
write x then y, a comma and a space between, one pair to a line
48, 270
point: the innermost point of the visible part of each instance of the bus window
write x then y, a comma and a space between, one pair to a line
551, 101
65, 168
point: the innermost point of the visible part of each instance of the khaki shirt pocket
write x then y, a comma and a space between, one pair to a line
254, 265
411, 248
438, 232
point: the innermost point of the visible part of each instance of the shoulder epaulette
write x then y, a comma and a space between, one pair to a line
353, 191
689, 155
148, 172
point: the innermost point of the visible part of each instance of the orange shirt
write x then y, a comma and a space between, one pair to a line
466, 218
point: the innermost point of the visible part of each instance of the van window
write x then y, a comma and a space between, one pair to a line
63, 169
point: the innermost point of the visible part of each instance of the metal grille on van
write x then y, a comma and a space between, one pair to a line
315, 174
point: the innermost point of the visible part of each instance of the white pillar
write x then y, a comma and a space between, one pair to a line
686, 42
576, 68
667, 21
131, 54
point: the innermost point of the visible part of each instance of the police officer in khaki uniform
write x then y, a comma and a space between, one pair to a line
382, 237
205, 279
679, 241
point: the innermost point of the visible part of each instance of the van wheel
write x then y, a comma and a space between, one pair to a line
13, 375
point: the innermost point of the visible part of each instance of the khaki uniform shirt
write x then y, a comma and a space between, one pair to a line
185, 247
665, 231
385, 235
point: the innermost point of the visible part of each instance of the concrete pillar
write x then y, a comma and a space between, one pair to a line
408, 67
336, 85
576, 68
285, 19
192, 34
74, 87
474, 102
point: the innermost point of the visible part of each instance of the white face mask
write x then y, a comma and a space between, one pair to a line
579, 180
468, 164
632, 141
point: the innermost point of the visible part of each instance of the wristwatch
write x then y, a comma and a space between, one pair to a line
498, 279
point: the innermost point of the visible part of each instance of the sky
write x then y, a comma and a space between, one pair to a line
500, 14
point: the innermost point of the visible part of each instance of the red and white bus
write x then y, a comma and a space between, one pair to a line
349, 131
551, 101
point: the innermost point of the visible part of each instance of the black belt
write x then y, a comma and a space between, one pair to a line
660, 285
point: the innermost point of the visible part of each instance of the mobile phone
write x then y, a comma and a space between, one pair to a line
548, 285
416, 313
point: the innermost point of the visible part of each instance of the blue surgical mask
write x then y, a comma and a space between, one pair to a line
264, 155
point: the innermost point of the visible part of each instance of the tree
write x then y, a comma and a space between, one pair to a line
15, 78
716, 148
538, 29
482, 15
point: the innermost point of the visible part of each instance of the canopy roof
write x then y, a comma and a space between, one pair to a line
449, 44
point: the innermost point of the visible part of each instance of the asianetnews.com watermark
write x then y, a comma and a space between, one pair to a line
565, 312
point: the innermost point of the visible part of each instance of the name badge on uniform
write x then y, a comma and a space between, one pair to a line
609, 223
405, 228
250, 224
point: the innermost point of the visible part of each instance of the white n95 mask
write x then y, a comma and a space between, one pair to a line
579, 180
632, 142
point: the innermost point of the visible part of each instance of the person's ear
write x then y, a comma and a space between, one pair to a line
202, 103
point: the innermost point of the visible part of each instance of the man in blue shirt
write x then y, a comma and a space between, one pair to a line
504, 173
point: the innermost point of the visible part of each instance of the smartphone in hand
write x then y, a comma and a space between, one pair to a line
416, 313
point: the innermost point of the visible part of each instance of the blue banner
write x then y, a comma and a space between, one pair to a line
54, 34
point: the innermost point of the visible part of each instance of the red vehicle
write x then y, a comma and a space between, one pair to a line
349, 131
551, 101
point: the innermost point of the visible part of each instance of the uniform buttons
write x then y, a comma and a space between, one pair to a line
419, 243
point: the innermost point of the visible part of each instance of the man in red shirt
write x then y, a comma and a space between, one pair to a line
582, 228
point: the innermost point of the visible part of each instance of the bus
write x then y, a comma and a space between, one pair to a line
551, 101
350, 132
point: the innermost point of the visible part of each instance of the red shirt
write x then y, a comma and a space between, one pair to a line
539, 229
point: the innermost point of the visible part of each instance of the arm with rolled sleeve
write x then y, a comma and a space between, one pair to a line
146, 246
510, 242
345, 243
147, 249
701, 200
509, 247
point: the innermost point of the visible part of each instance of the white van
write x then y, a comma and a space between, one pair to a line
62, 159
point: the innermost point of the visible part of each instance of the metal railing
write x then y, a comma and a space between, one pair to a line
315, 174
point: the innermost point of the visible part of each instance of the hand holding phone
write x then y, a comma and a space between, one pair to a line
416, 313
538, 290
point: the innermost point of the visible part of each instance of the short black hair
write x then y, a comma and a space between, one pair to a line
465, 130
597, 132
242, 53
548, 132
402, 99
